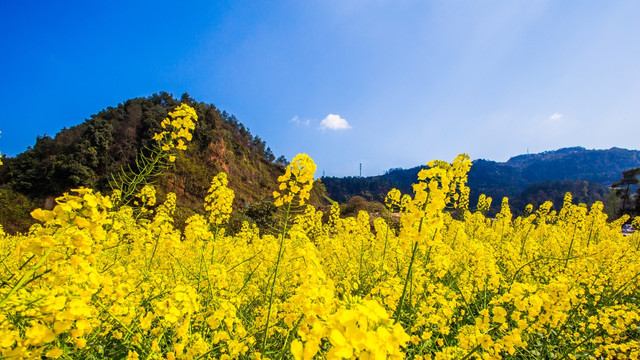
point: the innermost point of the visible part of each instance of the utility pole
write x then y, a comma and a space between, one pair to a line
360, 169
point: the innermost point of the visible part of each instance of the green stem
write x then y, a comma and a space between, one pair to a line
147, 167
288, 339
525, 238
571, 349
571, 245
360, 262
479, 346
591, 231
26, 276
473, 351
396, 314
213, 245
153, 254
386, 238
115, 318
275, 275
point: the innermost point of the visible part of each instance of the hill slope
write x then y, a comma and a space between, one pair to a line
86, 154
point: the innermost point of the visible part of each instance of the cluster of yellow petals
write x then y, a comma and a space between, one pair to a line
219, 200
365, 331
94, 281
484, 203
177, 128
296, 181
146, 198
392, 200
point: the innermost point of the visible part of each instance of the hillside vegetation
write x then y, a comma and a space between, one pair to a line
85, 155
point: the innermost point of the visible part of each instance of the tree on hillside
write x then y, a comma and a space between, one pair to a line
622, 187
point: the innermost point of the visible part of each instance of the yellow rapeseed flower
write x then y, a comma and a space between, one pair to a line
177, 128
297, 181
219, 201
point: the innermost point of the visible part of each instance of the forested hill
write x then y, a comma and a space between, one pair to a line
524, 178
86, 154
576, 163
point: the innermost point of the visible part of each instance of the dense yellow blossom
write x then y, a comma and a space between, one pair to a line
219, 200
177, 128
92, 280
296, 182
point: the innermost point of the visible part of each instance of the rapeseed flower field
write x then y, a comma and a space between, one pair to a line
110, 277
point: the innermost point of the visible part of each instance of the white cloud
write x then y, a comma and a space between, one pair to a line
299, 121
555, 116
334, 122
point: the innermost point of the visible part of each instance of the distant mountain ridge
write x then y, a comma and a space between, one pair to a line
576, 163
588, 172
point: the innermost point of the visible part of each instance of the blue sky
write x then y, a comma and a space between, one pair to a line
383, 83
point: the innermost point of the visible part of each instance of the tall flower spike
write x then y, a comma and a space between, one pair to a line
220, 199
484, 203
463, 201
147, 197
177, 127
505, 211
296, 181
392, 200
176, 133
